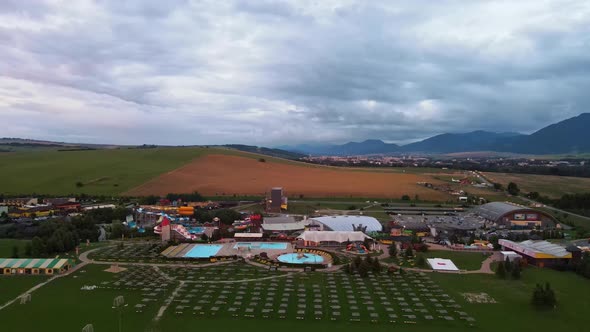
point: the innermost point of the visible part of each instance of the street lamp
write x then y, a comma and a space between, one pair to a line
119, 303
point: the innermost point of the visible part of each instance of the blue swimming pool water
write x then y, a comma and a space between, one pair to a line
306, 259
203, 250
262, 245
196, 230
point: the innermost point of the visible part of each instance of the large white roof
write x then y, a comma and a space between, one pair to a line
442, 264
345, 223
530, 248
340, 237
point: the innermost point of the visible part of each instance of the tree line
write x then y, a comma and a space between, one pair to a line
58, 236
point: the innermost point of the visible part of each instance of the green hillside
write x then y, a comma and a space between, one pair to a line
100, 171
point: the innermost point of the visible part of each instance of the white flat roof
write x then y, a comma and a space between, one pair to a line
247, 235
346, 223
294, 226
332, 236
442, 264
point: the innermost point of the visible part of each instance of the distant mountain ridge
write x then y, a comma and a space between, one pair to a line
565, 137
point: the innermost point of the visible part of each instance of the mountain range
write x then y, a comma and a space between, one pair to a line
569, 136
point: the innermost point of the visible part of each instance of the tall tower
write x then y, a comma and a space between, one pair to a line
273, 204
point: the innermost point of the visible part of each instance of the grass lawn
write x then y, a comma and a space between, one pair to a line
64, 298
7, 244
12, 286
513, 311
463, 260
64, 305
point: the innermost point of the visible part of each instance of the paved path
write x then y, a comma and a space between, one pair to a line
84, 258
168, 301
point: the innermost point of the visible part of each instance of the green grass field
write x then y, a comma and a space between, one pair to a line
546, 185
6, 246
12, 286
63, 306
101, 171
513, 311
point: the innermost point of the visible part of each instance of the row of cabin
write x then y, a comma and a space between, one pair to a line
34, 266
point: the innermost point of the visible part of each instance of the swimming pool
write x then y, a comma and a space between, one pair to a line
203, 250
262, 245
300, 258
196, 230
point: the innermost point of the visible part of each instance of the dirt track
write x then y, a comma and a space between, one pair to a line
228, 175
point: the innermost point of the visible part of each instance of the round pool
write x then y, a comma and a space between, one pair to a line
301, 258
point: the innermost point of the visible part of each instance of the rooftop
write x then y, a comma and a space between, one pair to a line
532, 248
495, 210
346, 223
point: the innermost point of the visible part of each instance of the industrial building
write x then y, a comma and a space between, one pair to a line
283, 224
538, 253
514, 216
276, 201
336, 238
347, 223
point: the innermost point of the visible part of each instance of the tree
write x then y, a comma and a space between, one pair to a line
79, 184
533, 195
15, 251
498, 186
513, 189
376, 265
28, 249
507, 265
516, 271
421, 261
364, 269
405, 198
37, 247
501, 270
543, 297
550, 299
409, 252
392, 250
356, 262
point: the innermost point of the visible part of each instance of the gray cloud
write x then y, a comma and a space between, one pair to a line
285, 72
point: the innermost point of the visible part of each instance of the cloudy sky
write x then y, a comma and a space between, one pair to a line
285, 72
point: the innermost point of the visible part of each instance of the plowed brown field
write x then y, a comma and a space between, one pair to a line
228, 175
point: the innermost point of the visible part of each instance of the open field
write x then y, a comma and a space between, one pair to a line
100, 171
546, 185
12, 286
223, 174
513, 311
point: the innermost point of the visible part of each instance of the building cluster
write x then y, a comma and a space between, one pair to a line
31, 207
